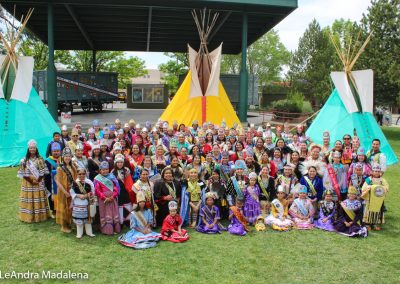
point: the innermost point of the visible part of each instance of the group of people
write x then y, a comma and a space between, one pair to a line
208, 177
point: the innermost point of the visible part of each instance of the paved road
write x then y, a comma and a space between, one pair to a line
139, 115
119, 110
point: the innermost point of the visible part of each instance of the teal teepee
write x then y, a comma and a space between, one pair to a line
349, 108
23, 116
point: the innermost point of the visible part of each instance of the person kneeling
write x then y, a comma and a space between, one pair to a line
171, 229
209, 217
140, 236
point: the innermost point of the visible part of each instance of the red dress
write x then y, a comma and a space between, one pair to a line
172, 223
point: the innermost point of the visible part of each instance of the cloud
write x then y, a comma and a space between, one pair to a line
324, 11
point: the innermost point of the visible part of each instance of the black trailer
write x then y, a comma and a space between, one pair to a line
89, 90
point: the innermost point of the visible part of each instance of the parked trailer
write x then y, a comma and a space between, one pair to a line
89, 90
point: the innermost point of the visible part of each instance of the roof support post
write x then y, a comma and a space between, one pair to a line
94, 62
149, 28
52, 103
243, 84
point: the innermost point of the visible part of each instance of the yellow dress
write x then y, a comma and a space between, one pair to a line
64, 212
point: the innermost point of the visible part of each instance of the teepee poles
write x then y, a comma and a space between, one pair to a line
9, 67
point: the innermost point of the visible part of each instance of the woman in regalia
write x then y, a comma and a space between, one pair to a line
209, 217
33, 205
302, 211
140, 236
327, 210
279, 218
165, 190
126, 197
349, 217
146, 186
218, 188
65, 177
107, 188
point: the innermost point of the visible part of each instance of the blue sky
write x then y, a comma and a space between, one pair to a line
294, 25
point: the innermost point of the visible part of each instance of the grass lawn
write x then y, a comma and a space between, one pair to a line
293, 257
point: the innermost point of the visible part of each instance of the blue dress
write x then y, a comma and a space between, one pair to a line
136, 239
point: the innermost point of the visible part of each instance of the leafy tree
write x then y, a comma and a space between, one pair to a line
382, 52
265, 59
178, 65
312, 62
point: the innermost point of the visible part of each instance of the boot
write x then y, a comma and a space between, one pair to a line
88, 229
79, 231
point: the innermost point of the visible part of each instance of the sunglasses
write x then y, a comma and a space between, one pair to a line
75, 135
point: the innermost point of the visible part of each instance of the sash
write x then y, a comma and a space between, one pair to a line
263, 189
33, 169
105, 181
348, 211
141, 219
68, 173
172, 191
278, 205
334, 181
301, 207
210, 215
239, 217
251, 190
310, 184
236, 186
52, 162
184, 203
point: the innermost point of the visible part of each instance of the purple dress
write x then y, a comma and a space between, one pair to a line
210, 215
251, 203
235, 227
326, 210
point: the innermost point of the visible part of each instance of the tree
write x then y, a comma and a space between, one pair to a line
81, 60
178, 65
312, 62
382, 53
265, 59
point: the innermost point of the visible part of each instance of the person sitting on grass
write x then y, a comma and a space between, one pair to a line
171, 229
279, 218
327, 210
140, 236
348, 221
302, 210
209, 217
238, 225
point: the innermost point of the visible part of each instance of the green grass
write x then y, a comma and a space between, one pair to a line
292, 257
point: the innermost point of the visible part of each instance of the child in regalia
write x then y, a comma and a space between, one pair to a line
209, 217
336, 176
302, 210
327, 210
238, 225
374, 192
357, 178
171, 229
279, 218
349, 216
252, 199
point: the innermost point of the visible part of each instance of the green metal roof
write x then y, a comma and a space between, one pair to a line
149, 25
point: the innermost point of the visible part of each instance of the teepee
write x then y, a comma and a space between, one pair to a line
23, 114
201, 96
349, 109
